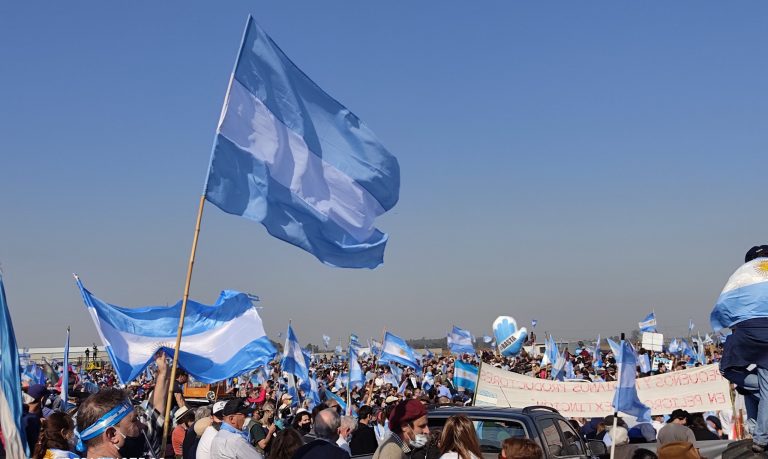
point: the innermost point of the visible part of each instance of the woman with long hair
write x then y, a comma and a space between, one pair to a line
520, 448
56, 432
286, 442
459, 439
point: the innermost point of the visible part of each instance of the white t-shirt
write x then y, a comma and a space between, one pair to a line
204, 445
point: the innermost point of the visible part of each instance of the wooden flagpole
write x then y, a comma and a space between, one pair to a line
191, 264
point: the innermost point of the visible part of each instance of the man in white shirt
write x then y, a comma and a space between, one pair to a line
204, 445
348, 425
231, 442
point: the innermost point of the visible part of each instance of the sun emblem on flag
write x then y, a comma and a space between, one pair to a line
402, 353
762, 268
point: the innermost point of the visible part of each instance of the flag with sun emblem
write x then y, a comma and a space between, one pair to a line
744, 297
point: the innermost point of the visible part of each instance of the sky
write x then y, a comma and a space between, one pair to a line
578, 163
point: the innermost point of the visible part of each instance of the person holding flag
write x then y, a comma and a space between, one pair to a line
743, 307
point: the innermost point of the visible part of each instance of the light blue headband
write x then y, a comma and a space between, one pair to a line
109, 419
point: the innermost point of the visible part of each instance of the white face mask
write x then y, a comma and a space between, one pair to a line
419, 441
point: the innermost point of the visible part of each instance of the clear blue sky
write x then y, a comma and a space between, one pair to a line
576, 162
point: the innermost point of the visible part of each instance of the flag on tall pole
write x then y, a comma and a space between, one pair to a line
294, 362
287, 155
10, 387
625, 399
65, 377
648, 324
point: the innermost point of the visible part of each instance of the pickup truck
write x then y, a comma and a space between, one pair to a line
553, 433
543, 424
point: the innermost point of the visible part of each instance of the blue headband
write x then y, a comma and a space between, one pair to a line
109, 419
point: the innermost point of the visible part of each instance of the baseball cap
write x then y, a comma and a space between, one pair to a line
218, 407
37, 391
236, 405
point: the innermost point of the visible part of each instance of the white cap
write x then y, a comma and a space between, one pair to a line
218, 407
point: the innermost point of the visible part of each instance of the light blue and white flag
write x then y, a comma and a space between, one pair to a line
33, 374
391, 378
428, 381
356, 375
294, 362
314, 393
708, 339
625, 398
558, 368
132, 336
65, 377
395, 349
550, 351
645, 363
597, 356
354, 340
569, 373
744, 297
686, 349
288, 155
674, 346
465, 376
615, 349
487, 339
331, 396
428, 354
375, 347
460, 341
326, 340
648, 324
690, 325
10, 389
534, 322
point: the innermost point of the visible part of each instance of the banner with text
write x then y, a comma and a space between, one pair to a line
694, 390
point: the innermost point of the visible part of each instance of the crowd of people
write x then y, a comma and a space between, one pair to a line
385, 417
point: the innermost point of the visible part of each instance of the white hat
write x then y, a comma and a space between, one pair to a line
180, 414
390, 399
218, 407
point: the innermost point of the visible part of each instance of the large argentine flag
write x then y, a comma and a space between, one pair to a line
395, 349
10, 384
219, 341
288, 155
744, 297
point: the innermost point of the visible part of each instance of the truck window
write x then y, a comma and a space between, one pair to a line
490, 432
572, 444
551, 436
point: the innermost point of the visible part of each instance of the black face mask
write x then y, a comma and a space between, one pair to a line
133, 447
305, 429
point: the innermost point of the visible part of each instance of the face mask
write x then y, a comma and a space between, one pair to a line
420, 441
305, 429
132, 447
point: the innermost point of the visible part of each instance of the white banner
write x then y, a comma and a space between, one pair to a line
696, 389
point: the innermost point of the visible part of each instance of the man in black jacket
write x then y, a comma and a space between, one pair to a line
364, 438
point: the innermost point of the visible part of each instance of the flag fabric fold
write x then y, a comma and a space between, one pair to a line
287, 155
648, 324
10, 390
294, 362
218, 341
460, 341
395, 349
744, 297
625, 399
